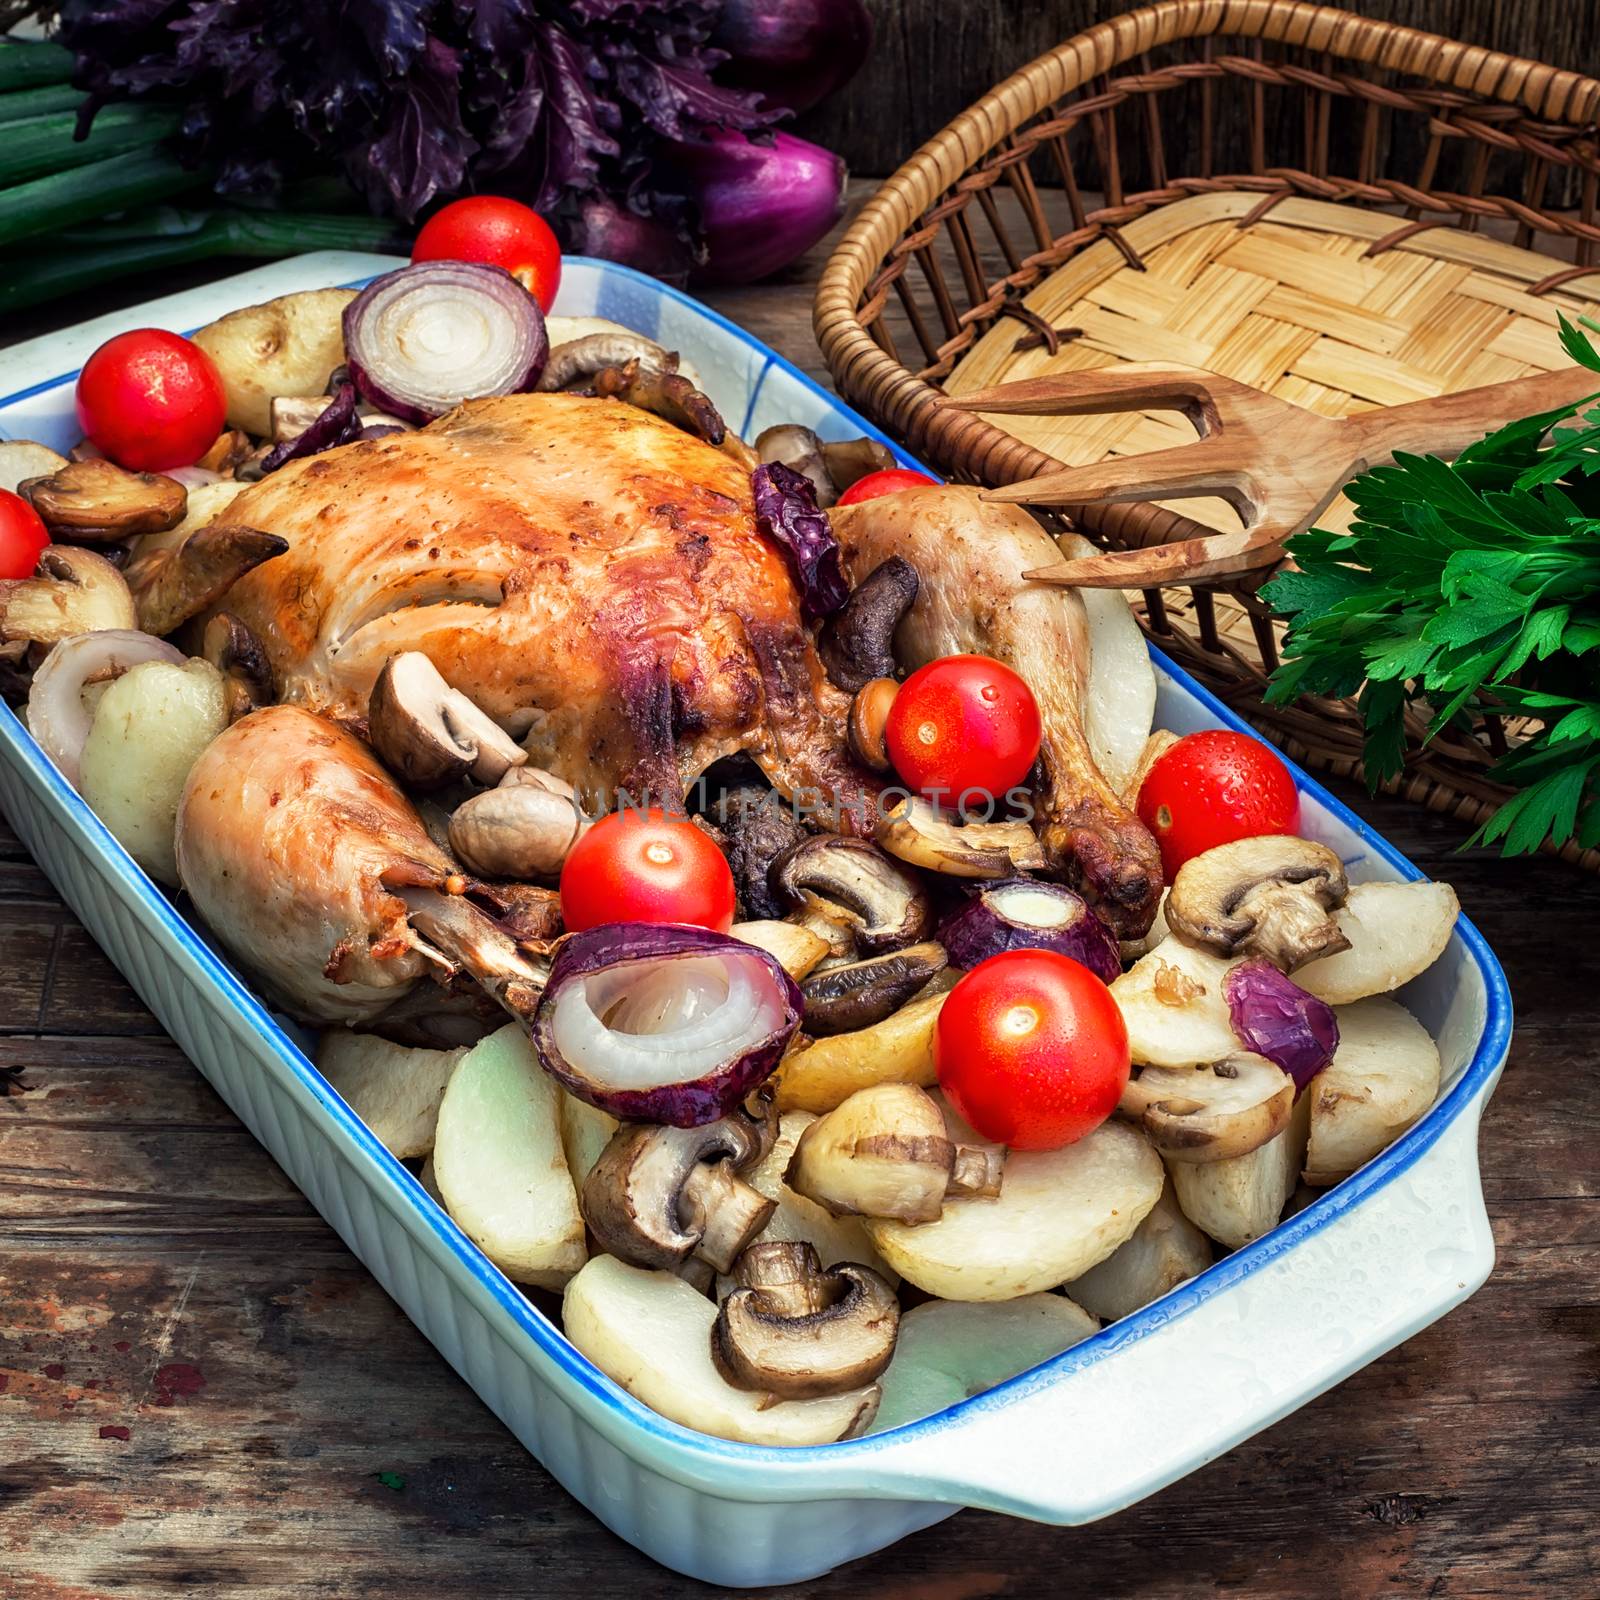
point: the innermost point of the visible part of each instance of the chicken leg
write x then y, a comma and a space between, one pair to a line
970, 556
312, 868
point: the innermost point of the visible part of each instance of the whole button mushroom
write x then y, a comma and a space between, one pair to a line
521, 829
797, 1331
857, 642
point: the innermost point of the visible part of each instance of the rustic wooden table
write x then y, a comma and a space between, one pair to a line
202, 1391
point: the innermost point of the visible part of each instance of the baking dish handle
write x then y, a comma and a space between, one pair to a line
1123, 1416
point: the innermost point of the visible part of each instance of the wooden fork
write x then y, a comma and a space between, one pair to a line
1278, 465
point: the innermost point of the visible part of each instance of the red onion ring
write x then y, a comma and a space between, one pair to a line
57, 717
658, 1022
421, 339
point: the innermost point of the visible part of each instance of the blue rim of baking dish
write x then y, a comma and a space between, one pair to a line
827, 1466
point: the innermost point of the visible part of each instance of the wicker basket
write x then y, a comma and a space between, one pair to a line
1392, 236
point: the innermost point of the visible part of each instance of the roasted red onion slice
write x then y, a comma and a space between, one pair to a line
1277, 1019
786, 511
1024, 914
336, 424
57, 717
423, 338
664, 1023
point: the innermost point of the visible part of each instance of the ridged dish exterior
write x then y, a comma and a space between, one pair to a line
1116, 1418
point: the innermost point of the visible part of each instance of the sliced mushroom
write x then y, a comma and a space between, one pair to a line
856, 994
98, 502
235, 651
71, 591
760, 826
849, 884
427, 733
797, 1330
229, 450
850, 460
1210, 1113
651, 1332
920, 833
171, 586
857, 643
799, 449
885, 1152
869, 723
1270, 896
582, 358
520, 830
658, 1195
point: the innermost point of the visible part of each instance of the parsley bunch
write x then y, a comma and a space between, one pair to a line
1464, 587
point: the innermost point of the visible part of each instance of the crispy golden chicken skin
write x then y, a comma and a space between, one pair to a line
583, 570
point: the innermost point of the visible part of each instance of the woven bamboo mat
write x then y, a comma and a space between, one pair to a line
1291, 302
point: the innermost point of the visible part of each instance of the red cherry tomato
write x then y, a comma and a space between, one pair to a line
960, 725
499, 232
890, 481
22, 536
1032, 1050
1212, 787
646, 866
151, 400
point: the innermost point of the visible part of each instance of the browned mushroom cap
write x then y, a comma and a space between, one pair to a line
665, 394
795, 1331
427, 733
884, 1152
867, 731
579, 359
799, 449
1210, 1113
98, 502
171, 586
658, 1195
71, 591
235, 651
856, 994
853, 885
849, 460
923, 835
857, 643
1270, 896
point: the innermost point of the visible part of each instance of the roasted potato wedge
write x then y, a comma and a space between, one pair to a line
826, 1072
394, 1089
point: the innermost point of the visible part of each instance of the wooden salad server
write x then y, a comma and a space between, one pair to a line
1277, 464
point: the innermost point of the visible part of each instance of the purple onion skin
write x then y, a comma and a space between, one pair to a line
612, 232
677, 1105
761, 205
972, 933
794, 52
786, 511
1277, 1019
374, 393
338, 424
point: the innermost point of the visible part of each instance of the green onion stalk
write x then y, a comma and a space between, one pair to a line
92, 256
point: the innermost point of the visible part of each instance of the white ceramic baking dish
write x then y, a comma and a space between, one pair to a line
1116, 1418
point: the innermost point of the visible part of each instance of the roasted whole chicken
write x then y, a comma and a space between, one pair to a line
592, 576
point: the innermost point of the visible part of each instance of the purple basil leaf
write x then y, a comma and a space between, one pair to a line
1277, 1019
786, 511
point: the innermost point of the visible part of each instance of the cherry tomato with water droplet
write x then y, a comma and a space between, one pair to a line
646, 866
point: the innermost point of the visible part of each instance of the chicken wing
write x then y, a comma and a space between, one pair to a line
970, 555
